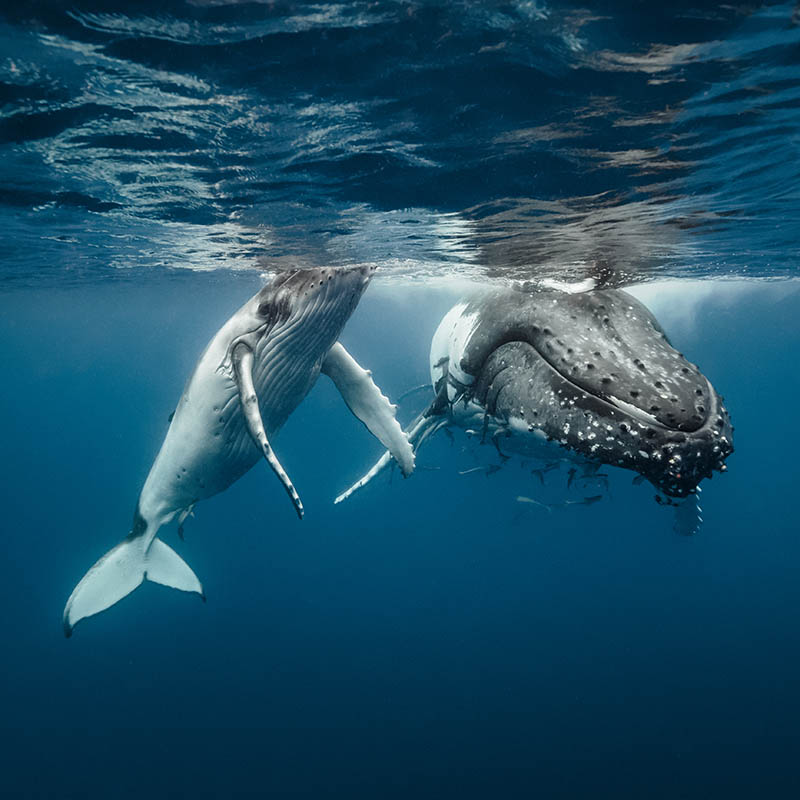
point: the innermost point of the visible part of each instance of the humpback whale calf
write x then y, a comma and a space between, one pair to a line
251, 376
592, 375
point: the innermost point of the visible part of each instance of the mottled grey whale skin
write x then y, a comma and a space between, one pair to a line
587, 375
595, 373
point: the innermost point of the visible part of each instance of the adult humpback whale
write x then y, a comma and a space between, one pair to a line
591, 374
251, 376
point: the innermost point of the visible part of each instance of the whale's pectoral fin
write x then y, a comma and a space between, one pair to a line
243, 370
369, 404
420, 430
423, 427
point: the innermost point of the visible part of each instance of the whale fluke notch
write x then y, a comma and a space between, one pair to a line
124, 568
369, 404
242, 358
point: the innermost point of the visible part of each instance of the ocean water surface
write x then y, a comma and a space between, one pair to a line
430, 637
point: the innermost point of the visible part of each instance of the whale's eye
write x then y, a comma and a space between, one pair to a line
275, 309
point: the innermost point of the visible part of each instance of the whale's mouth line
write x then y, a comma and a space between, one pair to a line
615, 404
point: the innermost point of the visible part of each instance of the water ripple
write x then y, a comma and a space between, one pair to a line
502, 141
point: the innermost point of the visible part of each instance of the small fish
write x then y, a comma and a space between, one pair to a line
522, 499
571, 476
587, 501
485, 428
597, 477
540, 473
496, 443
189, 512
489, 469
638, 480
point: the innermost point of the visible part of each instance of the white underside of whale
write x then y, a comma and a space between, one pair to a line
227, 415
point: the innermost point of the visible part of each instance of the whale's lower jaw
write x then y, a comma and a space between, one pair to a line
518, 387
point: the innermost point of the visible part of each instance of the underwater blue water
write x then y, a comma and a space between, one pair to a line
421, 639
431, 637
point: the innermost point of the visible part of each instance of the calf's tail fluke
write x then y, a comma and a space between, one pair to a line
121, 570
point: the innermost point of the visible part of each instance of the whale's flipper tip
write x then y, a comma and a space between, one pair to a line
376, 469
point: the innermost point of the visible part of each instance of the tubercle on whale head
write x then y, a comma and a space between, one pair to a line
303, 287
674, 461
314, 301
678, 462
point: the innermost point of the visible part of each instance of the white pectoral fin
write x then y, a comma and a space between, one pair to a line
369, 404
243, 370
423, 427
378, 467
